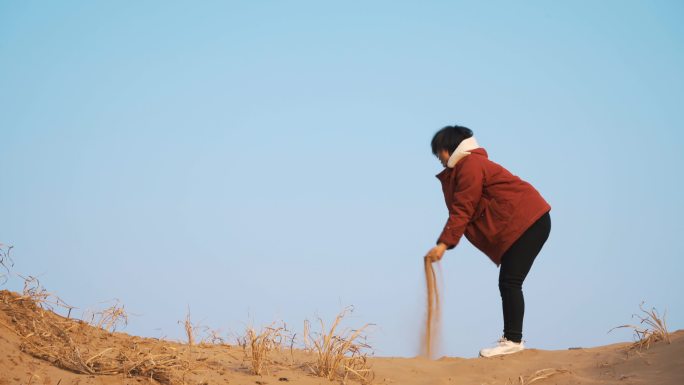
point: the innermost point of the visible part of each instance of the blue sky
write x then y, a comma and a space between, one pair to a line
270, 160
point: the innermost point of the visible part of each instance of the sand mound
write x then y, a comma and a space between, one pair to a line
38, 346
78, 347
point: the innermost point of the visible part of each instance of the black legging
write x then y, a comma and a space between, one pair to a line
515, 264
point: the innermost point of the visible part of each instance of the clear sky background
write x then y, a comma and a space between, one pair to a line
270, 160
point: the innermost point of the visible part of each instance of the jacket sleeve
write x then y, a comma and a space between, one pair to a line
466, 196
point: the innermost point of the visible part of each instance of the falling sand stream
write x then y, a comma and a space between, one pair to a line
432, 321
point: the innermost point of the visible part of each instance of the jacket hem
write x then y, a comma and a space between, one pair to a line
524, 228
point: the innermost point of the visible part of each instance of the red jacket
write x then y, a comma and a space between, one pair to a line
488, 204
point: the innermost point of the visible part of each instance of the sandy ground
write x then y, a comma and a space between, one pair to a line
226, 364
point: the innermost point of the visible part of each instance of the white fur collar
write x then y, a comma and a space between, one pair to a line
462, 151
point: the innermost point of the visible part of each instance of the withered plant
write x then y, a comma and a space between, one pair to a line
34, 291
651, 329
110, 318
189, 327
339, 355
258, 346
212, 337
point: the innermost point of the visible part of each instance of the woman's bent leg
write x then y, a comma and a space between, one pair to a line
515, 264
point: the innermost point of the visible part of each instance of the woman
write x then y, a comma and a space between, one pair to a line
499, 213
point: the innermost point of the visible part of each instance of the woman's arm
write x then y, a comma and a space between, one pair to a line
466, 197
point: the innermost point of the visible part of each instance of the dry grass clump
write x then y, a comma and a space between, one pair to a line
109, 318
339, 355
44, 299
538, 376
76, 346
651, 329
259, 346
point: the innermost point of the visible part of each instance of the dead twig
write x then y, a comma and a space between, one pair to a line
6, 262
537, 376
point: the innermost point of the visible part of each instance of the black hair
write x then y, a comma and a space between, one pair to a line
449, 137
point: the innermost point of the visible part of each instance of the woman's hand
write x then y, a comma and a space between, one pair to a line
436, 253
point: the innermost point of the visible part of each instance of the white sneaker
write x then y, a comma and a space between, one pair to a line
503, 346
